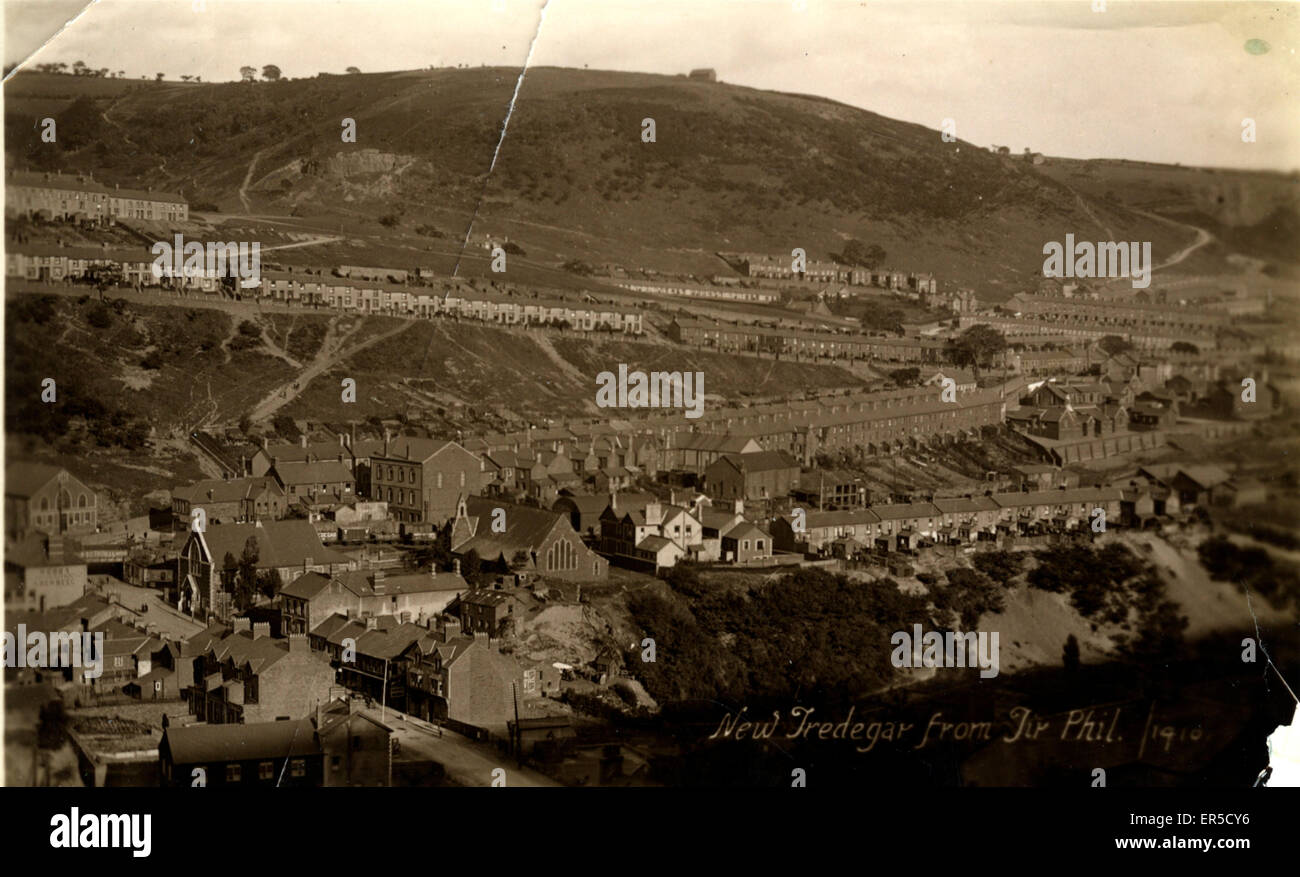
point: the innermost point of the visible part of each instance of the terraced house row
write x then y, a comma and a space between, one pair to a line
375, 297
1116, 313
873, 423
695, 290
1072, 329
733, 337
80, 198
957, 519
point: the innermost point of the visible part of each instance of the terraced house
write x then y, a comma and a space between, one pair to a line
241, 675
410, 597
736, 337
944, 520
232, 500
79, 197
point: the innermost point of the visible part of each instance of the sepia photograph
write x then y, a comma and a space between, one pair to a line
870, 397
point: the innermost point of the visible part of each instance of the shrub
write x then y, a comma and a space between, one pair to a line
100, 317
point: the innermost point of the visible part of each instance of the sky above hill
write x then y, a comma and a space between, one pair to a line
1157, 81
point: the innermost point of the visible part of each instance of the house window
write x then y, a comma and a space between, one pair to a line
232, 773
298, 767
439, 479
265, 770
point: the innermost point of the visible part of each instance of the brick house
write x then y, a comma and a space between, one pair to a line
313, 478
234, 500
765, 475
314, 596
269, 754
421, 479
242, 675
746, 543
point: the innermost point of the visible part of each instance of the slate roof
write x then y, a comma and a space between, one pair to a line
213, 744
314, 472
24, 478
526, 528
280, 543
762, 461
233, 490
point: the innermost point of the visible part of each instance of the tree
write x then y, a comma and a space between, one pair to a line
248, 74
1000, 566
185, 77
158, 77
271, 73
471, 568
858, 253
246, 579
79, 68
269, 582
1113, 345
905, 377
1070, 654
353, 70
388, 220
285, 426
977, 346
1185, 347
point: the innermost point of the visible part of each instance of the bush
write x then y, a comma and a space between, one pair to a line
1000, 566
251, 329
100, 317
153, 361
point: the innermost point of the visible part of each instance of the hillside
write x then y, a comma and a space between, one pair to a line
732, 168
1254, 213
173, 369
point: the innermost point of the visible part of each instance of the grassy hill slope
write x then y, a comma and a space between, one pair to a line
731, 168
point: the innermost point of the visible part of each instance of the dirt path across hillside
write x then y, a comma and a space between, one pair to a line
566, 368
248, 178
1203, 237
331, 353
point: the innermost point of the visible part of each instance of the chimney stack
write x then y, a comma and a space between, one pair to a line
450, 626
261, 629
243, 625
303, 439
455, 565
298, 644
